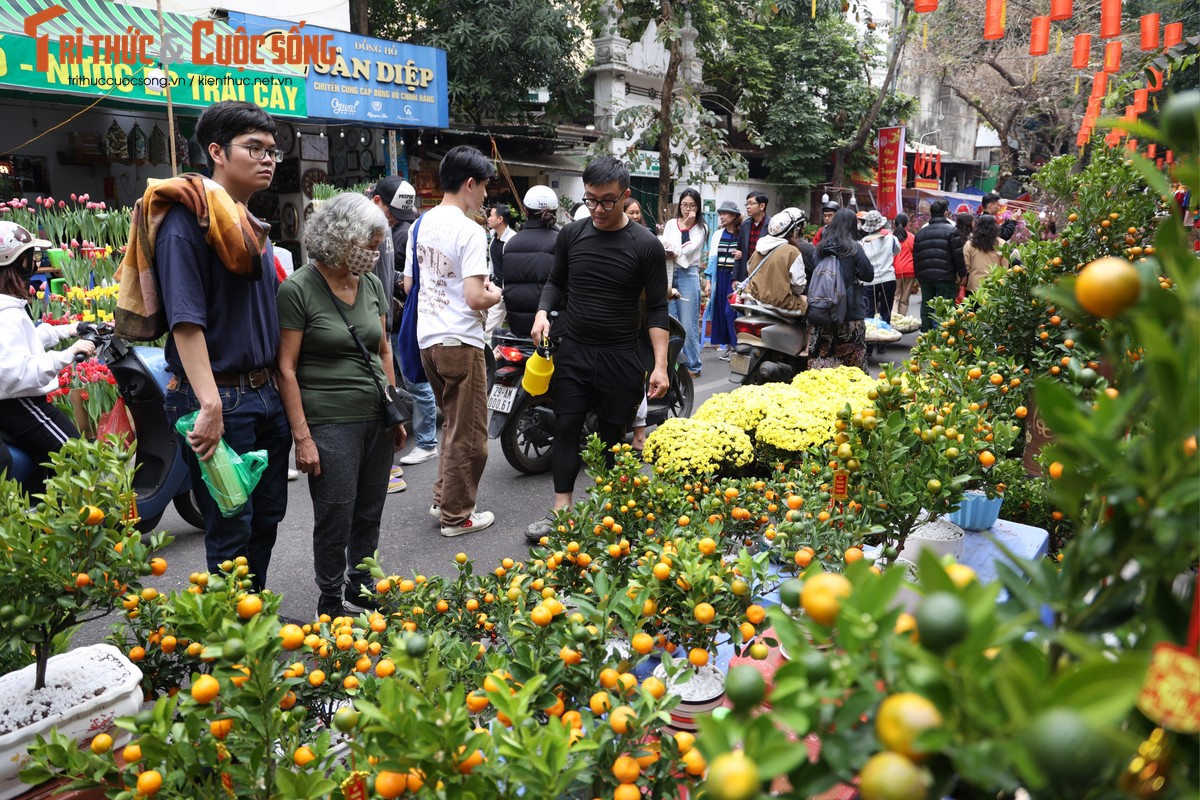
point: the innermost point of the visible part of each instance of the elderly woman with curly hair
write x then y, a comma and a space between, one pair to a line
331, 399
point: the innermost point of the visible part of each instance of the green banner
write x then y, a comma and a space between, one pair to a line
191, 85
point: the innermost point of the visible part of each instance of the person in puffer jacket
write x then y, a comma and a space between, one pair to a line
937, 260
528, 259
27, 371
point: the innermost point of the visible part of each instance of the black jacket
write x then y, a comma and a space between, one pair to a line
740, 270
856, 270
528, 259
400, 243
937, 252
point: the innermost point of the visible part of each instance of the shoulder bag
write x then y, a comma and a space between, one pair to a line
396, 402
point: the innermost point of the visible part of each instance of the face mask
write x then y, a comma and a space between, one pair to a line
361, 260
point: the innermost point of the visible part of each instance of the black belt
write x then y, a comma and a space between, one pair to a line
254, 379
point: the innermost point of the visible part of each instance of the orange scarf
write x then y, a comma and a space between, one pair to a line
229, 229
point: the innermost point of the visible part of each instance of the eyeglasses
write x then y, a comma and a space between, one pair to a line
258, 152
607, 205
687, 205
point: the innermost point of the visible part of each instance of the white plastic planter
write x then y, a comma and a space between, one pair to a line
86, 690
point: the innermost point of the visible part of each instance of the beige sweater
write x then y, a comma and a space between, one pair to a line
980, 263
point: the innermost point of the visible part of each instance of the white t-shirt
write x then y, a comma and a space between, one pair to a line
450, 248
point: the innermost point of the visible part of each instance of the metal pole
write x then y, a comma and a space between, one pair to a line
162, 37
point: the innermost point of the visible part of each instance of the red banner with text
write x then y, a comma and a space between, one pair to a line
891, 166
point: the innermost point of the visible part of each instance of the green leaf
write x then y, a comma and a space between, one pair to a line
1103, 691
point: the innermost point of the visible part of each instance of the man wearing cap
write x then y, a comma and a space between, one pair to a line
721, 264
528, 259
27, 371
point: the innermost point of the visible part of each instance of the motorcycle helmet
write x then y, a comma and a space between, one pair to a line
14, 241
786, 221
831, 206
540, 198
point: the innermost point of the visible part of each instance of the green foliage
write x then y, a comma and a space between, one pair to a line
68, 555
496, 52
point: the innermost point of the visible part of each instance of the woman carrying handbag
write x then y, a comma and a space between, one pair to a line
338, 388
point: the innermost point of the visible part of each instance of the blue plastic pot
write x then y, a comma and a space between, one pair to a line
976, 512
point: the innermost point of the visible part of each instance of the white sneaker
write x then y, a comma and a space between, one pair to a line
476, 522
419, 455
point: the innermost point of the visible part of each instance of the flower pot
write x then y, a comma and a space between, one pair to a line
906, 598
86, 690
941, 536
976, 512
695, 686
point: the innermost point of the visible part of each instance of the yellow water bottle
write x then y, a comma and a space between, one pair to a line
538, 370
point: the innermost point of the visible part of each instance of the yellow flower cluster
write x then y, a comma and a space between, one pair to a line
807, 421
746, 406
696, 447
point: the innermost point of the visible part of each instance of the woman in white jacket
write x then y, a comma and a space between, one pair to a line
27, 371
684, 238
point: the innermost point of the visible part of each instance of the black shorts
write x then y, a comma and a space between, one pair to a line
587, 378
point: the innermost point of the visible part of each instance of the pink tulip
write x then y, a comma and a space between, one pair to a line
62, 203
73, 199
39, 200
74, 243
101, 205
85, 197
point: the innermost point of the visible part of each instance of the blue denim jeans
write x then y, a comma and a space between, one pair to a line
687, 310
254, 420
424, 408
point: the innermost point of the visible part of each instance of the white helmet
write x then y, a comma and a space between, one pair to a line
583, 212
783, 223
539, 198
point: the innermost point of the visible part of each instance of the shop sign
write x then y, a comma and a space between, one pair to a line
376, 81
191, 85
927, 183
644, 164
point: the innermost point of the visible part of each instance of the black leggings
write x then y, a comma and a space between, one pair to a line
564, 458
38, 428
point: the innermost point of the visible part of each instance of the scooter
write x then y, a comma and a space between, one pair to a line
525, 424
772, 344
162, 476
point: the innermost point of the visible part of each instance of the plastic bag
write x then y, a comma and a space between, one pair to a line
116, 423
230, 477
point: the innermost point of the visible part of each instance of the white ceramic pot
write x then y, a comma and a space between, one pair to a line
906, 597
69, 703
701, 685
941, 536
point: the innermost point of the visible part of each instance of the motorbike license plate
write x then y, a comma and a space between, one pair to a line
502, 397
739, 363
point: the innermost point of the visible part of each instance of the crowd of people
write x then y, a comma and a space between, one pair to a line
392, 299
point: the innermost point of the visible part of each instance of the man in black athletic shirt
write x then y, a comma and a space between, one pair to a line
602, 265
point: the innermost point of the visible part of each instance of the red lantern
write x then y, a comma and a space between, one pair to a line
1141, 100
1039, 36
1081, 140
1150, 31
1093, 107
1060, 10
993, 19
1151, 150
1100, 84
1131, 145
1170, 156
1159, 163
1112, 57
1172, 34
1131, 114
1156, 84
1110, 18
1081, 57
923, 6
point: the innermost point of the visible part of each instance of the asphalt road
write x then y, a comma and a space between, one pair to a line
410, 541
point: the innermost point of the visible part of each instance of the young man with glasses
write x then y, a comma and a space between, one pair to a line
217, 283
752, 228
602, 266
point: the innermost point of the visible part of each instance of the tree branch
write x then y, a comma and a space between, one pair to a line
868, 121
1005, 74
